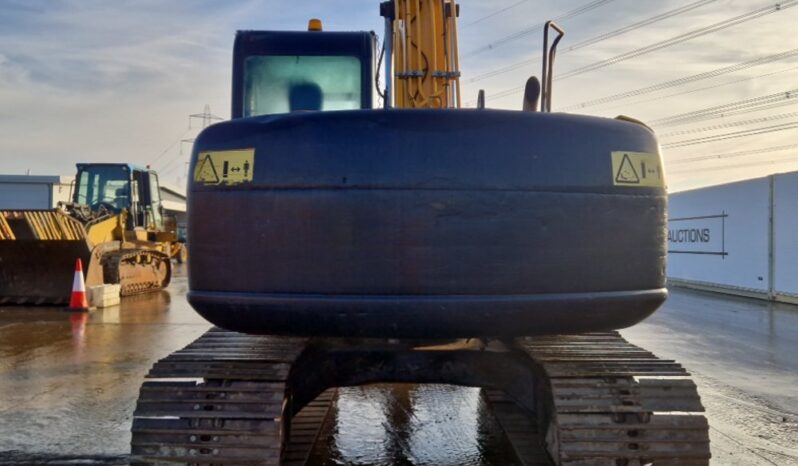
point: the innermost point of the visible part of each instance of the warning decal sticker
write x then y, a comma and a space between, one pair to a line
225, 167
637, 169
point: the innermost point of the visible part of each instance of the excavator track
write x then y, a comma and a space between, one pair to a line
137, 270
226, 398
614, 403
233, 409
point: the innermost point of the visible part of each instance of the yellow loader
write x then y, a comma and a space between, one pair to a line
115, 224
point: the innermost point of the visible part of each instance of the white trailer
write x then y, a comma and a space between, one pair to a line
740, 238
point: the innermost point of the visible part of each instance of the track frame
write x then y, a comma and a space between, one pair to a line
591, 399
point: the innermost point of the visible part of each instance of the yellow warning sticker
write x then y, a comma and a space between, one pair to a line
225, 167
641, 169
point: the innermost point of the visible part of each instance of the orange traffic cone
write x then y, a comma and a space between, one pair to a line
78, 301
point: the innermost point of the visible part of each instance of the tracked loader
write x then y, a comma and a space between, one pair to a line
115, 224
375, 233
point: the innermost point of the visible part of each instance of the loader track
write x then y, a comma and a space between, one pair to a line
226, 399
137, 270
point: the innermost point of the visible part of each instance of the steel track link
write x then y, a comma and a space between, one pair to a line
613, 403
118, 265
521, 428
220, 400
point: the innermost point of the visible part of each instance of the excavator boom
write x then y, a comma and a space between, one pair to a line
424, 52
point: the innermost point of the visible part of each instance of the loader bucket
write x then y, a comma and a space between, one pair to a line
38, 250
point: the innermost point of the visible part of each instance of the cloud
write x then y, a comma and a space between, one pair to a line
100, 81
756, 38
91, 80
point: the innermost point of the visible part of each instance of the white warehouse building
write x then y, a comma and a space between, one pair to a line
19, 192
33, 191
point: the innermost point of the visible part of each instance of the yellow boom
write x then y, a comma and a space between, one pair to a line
425, 59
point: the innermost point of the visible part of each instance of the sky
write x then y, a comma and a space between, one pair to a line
90, 80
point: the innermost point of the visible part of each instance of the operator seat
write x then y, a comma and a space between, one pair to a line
305, 96
121, 199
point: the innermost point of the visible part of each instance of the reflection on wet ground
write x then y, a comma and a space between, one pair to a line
68, 384
405, 424
755, 340
742, 354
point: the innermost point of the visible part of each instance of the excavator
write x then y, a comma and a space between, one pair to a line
417, 241
115, 225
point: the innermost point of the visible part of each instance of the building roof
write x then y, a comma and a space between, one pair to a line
179, 192
36, 179
173, 206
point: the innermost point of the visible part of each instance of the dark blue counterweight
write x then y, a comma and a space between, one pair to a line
425, 223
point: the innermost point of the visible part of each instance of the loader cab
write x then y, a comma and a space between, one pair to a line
115, 187
277, 72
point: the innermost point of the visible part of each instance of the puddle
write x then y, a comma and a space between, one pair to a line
407, 424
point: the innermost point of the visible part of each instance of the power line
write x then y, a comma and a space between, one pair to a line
171, 146
538, 27
740, 165
732, 135
727, 155
729, 125
741, 106
495, 13
700, 89
206, 118
686, 80
719, 26
180, 155
608, 35
682, 38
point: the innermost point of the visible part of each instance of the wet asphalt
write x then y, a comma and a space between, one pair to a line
743, 354
68, 384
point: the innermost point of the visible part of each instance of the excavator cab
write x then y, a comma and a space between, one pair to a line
277, 72
114, 187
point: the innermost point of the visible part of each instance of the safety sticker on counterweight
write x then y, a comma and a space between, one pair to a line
226, 167
640, 169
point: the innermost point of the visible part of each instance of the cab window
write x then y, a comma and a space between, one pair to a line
108, 185
287, 83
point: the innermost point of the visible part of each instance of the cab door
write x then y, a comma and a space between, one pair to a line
150, 212
155, 201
